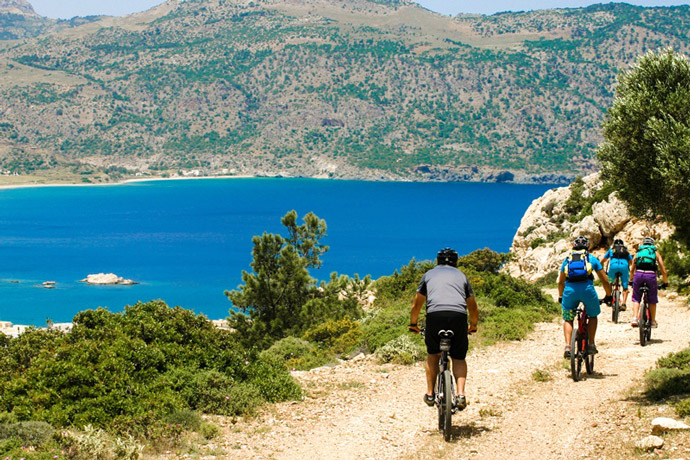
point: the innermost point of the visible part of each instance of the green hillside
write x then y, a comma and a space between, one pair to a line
328, 88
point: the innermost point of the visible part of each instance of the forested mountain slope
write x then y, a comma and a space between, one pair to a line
355, 88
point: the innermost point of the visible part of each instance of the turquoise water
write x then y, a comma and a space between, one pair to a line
187, 241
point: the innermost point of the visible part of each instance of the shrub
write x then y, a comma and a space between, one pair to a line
401, 350
295, 353
29, 433
535, 243
128, 372
664, 382
683, 407
679, 360
483, 260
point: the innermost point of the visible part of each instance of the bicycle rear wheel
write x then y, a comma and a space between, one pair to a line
575, 356
440, 398
616, 306
643, 323
447, 404
589, 363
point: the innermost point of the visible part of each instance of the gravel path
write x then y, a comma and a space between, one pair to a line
363, 410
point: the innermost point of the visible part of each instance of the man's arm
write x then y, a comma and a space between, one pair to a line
561, 286
604, 281
417, 305
662, 267
473, 314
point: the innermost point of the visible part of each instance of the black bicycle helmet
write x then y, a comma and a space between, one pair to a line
447, 256
648, 240
618, 242
581, 242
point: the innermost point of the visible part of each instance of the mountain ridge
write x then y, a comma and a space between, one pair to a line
357, 89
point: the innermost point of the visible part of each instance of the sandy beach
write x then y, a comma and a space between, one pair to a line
124, 182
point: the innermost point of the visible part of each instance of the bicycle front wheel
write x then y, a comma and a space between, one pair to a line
616, 306
575, 356
447, 404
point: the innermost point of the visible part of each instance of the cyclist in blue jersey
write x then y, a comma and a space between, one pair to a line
619, 264
575, 285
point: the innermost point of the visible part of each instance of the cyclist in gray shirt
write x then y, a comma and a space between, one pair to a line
449, 298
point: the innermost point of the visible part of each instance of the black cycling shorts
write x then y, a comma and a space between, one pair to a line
440, 320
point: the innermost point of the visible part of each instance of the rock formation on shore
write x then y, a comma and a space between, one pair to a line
548, 227
106, 278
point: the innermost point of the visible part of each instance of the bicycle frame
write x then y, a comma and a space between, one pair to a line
578, 345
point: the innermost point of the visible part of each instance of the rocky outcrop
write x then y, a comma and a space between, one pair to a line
16, 7
106, 278
550, 224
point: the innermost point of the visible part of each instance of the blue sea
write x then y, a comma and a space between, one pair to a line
186, 241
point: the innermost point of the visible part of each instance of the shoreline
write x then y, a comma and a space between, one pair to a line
245, 176
124, 182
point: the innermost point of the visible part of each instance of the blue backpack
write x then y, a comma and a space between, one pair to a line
577, 267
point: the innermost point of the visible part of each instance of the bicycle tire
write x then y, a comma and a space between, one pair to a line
615, 311
575, 357
447, 404
642, 323
589, 363
440, 392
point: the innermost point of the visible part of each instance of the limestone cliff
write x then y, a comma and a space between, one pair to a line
552, 221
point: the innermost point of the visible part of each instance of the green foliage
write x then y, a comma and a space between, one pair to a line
402, 282
670, 378
401, 350
127, 372
683, 407
338, 336
295, 353
279, 297
29, 433
484, 260
676, 258
663, 382
647, 132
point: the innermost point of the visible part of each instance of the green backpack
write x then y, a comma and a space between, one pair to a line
646, 257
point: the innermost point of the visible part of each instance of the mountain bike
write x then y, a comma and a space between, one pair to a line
445, 387
616, 306
645, 322
578, 345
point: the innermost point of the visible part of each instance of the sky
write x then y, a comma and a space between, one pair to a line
66, 9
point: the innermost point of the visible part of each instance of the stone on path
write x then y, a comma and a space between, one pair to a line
663, 424
650, 443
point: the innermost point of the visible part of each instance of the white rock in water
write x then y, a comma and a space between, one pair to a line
650, 443
106, 278
663, 424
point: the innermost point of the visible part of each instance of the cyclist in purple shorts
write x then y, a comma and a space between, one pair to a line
643, 269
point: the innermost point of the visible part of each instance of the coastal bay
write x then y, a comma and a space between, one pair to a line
187, 241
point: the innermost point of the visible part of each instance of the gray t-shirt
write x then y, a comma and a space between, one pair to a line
446, 289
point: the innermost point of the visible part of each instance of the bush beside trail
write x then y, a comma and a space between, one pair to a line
129, 372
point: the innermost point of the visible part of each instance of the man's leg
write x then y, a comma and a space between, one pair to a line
567, 331
592, 329
652, 311
625, 296
431, 372
460, 374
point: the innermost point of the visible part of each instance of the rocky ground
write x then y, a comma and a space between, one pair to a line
523, 404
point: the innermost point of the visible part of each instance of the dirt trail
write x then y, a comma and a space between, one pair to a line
363, 410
